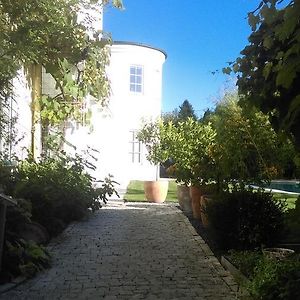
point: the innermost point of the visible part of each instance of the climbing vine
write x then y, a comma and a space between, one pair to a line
58, 35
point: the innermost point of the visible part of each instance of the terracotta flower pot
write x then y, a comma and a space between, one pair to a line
203, 201
195, 194
156, 191
184, 198
278, 253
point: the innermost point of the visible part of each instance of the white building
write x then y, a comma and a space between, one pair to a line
135, 74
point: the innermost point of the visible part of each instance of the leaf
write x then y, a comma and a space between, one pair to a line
118, 4
268, 42
227, 70
236, 67
267, 69
286, 75
293, 112
253, 21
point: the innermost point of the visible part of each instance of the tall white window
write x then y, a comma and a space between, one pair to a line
136, 79
135, 147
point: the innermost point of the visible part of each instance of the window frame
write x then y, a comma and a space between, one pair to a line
134, 79
135, 148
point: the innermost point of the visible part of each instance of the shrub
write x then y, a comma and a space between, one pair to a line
24, 258
60, 190
293, 223
275, 279
245, 261
245, 219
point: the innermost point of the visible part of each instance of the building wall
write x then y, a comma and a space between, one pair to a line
22, 110
112, 127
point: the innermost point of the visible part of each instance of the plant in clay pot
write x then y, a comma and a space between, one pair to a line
193, 153
152, 136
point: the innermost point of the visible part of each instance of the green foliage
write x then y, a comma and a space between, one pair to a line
293, 223
180, 114
193, 152
24, 258
275, 279
51, 34
189, 145
245, 219
60, 190
247, 144
154, 135
245, 261
269, 69
186, 111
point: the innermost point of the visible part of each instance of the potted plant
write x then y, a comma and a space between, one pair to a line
152, 136
193, 154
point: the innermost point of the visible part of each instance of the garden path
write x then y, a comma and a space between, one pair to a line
130, 251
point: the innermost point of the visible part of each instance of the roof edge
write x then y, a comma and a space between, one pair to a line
140, 45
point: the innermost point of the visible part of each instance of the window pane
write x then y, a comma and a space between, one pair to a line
136, 79
139, 79
139, 71
138, 88
132, 70
132, 79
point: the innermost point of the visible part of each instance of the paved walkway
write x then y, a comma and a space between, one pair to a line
130, 251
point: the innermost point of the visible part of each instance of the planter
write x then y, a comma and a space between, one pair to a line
195, 194
278, 253
184, 198
156, 191
203, 201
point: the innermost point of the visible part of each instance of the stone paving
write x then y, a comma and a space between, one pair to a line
130, 251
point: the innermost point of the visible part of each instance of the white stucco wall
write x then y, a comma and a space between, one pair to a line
111, 126
22, 110
110, 130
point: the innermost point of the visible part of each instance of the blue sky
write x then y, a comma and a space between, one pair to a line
198, 36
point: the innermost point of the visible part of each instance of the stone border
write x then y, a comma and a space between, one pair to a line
219, 268
10, 285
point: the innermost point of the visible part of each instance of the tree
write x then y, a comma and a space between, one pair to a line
269, 68
170, 116
50, 34
186, 111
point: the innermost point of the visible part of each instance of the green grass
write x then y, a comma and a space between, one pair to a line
135, 192
289, 199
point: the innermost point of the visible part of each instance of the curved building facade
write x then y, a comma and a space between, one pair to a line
135, 74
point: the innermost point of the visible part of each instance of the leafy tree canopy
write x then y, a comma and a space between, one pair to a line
51, 34
180, 114
186, 111
269, 67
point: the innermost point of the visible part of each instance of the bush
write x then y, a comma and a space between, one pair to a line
275, 279
245, 219
60, 190
245, 261
293, 223
25, 258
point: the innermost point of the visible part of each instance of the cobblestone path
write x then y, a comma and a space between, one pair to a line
130, 251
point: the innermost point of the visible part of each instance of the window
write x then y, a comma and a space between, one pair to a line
135, 148
136, 79
8, 119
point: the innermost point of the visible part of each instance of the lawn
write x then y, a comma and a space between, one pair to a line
135, 192
289, 199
